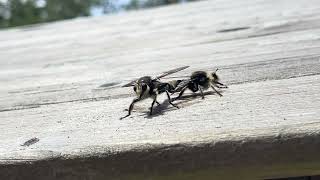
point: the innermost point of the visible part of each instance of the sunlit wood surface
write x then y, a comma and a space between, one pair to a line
61, 83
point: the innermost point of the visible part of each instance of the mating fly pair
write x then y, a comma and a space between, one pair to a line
148, 87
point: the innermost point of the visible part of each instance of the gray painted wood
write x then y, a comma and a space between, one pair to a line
60, 83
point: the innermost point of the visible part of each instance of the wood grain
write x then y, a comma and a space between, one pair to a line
61, 83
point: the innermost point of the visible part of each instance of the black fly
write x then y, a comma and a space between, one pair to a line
200, 80
148, 87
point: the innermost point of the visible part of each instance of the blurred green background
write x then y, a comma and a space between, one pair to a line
24, 12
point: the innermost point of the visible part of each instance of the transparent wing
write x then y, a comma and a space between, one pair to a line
130, 83
172, 71
158, 77
182, 85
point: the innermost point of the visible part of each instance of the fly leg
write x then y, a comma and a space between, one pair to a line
131, 107
171, 101
154, 101
181, 93
221, 85
201, 91
216, 91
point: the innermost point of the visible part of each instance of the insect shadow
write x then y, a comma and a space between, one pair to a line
183, 101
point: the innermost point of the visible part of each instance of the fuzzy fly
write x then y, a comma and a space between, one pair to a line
148, 87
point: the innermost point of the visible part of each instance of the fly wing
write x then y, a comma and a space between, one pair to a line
172, 71
184, 83
130, 83
158, 77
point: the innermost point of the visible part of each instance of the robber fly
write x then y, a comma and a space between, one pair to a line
148, 87
200, 80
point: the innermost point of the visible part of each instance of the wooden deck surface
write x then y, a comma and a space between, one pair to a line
61, 83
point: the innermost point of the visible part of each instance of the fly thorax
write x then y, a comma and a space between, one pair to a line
204, 81
141, 90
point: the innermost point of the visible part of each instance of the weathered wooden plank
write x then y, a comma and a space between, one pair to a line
282, 103
60, 83
283, 68
91, 129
